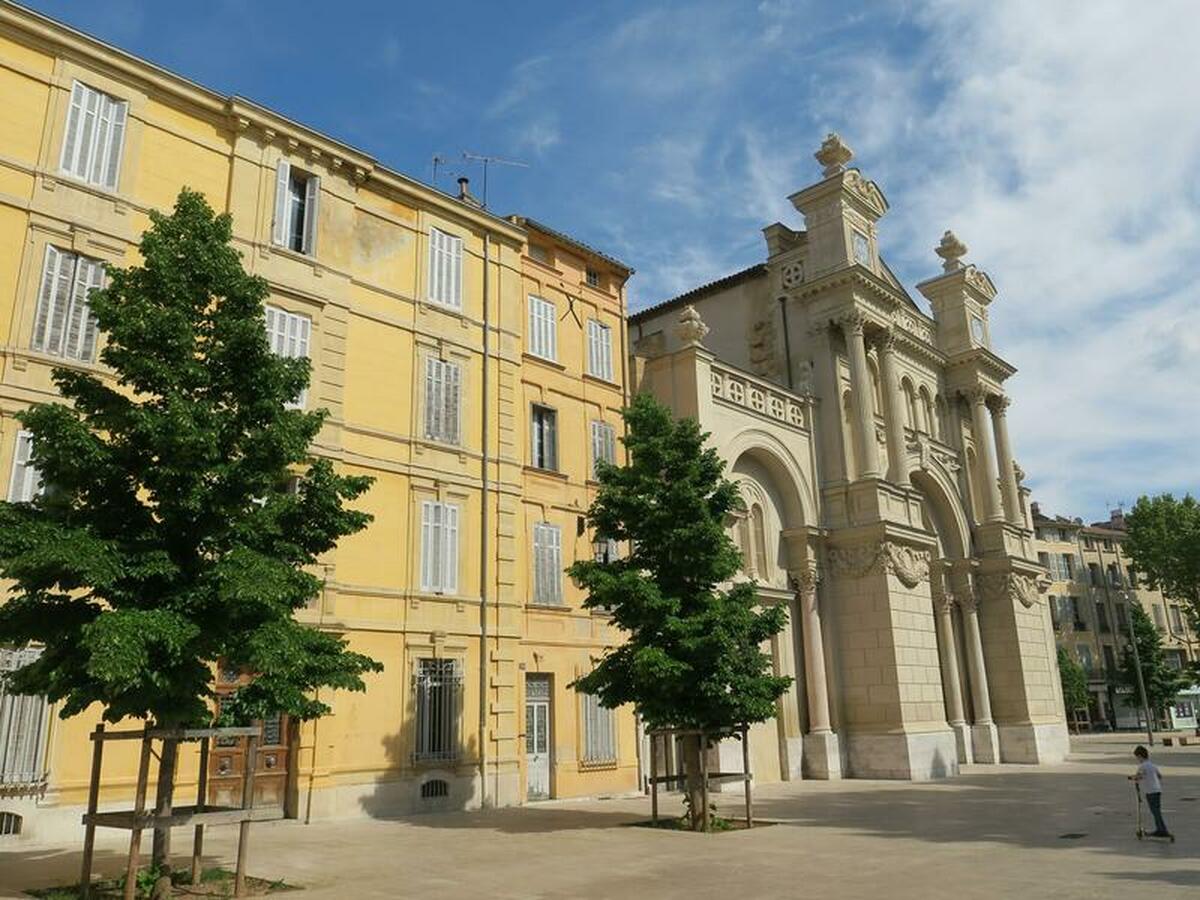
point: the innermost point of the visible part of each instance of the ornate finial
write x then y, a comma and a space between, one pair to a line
951, 250
833, 155
691, 328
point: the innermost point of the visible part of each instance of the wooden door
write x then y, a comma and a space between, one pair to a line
227, 760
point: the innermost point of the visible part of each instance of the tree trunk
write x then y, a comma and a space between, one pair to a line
693, 782
163, 797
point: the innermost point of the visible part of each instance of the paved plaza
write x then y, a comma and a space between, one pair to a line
995, 831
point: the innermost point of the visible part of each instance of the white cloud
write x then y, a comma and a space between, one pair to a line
539, 135
527, 79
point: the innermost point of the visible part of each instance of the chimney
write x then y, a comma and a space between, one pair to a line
464, 192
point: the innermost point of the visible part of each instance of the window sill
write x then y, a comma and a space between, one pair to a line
604, 382
541, 360
427, 303
607, 765
297, 255
548, 473
560, 608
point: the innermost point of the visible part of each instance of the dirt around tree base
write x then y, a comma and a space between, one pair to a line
214, 882
719, 825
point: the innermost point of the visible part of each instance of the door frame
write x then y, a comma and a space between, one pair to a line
549, 701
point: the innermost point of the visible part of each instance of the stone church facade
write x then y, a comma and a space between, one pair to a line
883, 506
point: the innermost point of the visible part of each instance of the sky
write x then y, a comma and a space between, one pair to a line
1060, 141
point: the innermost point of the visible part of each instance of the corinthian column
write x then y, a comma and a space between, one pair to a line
990, 489
826, 365
943, 606
893, 411
983, 730
822, 754
1008, 472
864, 399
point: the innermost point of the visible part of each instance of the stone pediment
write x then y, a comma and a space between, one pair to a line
865, 190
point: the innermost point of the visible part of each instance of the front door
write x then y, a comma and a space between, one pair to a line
227, 759
537, 737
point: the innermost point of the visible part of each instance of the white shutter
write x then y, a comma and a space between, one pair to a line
81, 325
23, 726
302, 336
555, 564
47, 298
433, 405
455, 262
25, 482
289, 335
283, 174
453, 393
70, 150
450, 555
551, 438
104, 116
430, 544
116, 145
539, 565
82, 160
312, 195
435, 265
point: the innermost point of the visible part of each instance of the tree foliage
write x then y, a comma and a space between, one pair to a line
1074, 682
693, 656
1162, 681
1164, 541
167, 538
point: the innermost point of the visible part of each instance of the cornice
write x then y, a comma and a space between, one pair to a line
984, 360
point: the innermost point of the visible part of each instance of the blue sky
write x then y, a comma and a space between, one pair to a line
1059, 141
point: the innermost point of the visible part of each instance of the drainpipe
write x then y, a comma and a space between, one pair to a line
483, 536
787, 341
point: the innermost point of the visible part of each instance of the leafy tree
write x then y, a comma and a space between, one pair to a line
693, 656
1162, 682
1164, 541
1074, 683
167, 539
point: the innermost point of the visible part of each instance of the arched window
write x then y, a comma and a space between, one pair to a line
741, 537
758, 533
926, 410
942, 419
876, 390
910, 403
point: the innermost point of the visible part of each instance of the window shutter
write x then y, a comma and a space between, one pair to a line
74, 122
26, 481
450, 557
98, 170
57, 321
116, 144
551, 440
312, 196
303, 329
88, 276
429, 545
453, 395
455, 262
45, 311
433, 405
555, 564
435, 265
283, 173
539, 564
593, 348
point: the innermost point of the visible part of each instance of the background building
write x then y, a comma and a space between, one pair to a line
1094, 585
472, 365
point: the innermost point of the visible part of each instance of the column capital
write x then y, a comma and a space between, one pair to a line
804, 579
884, 339
999, 404
852, 322
977, 395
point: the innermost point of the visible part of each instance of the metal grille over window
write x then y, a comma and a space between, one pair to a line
438, 689
95, 134
24, 723
547, 564
445, 268
64, 325
599, 731
288, 334
442, 392
600, 350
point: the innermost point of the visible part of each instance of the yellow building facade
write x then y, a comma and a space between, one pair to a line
472, 365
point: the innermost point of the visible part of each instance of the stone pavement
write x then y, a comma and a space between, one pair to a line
996, 831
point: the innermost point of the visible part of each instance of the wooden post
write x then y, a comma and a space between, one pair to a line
703, 780
89, 834
746, 772
653, 777
139, 807
239, 881
201, 796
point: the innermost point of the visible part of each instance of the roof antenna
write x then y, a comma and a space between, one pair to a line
487, 160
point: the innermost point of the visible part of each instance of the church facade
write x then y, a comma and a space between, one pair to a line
883, 505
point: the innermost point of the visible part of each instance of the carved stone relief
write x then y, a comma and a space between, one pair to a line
908, 564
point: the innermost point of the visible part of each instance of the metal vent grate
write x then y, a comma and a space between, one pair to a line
434, 788
10, 824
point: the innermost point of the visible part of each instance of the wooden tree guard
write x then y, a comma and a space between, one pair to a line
655, 779
137, 820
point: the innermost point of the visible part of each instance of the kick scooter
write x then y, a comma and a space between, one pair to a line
1141, 832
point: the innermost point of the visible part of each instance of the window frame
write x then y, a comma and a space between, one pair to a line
542, 433
282, 232
542, 320
598, 744
444, 285
604, 444
443, 400
72, 272
547, 565
84, 160
24, 437
436, 731
600, 350
24, 763
440, 555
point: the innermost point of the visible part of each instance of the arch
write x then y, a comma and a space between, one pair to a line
797, 501
944, 512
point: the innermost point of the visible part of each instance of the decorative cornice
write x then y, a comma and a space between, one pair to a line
908, 564
1013, 586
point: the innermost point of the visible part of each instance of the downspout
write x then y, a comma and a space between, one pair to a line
483, 535
787, 342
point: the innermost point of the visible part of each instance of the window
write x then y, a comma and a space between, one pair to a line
1056, 612
1077, 612
1133, 579
545, 438
296, 197
25, 482
1159, 622
1085, 658
445, 269
24, 725
443, 387
862, 248
1176, 619
1114, 575
1044, 559
1122, 619
64, 324
543, 329
1094, 575
1110, 659
599, 731
438, 688
604, 444
1102, 618
541, 254
288, 334
1183, 709
600, 350
1175, 659
94, 136
547, 564
592, 277
439, 547
758, 533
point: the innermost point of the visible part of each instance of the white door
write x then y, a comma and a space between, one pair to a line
537, 737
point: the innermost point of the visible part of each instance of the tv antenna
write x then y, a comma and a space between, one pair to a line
438, 160
488, 160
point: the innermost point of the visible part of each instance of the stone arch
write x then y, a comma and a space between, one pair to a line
787, 477
947, 518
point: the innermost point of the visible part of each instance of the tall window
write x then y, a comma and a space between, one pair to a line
445, 269
439, 547
297, 195
442, 392
64, 324
604, 444
1122, 619
1110, 659
1176, 619
600, 361
438, 688
1159, 622
1085, 658
544, 427
1102, 618
592, 277
599, 731
1077, 612
547, 563
24, 724
758, 532
543, 329
288, 334
94, 137
26, 482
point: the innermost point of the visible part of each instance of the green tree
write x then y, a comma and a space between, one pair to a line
693, 656
1162, 682
1074, 683
1164, 542
166, 538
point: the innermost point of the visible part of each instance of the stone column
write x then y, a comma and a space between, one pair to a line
943, 605
1008, 472
893, 410
984, 744
822, 756
990, 489
864, 396
834, 454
